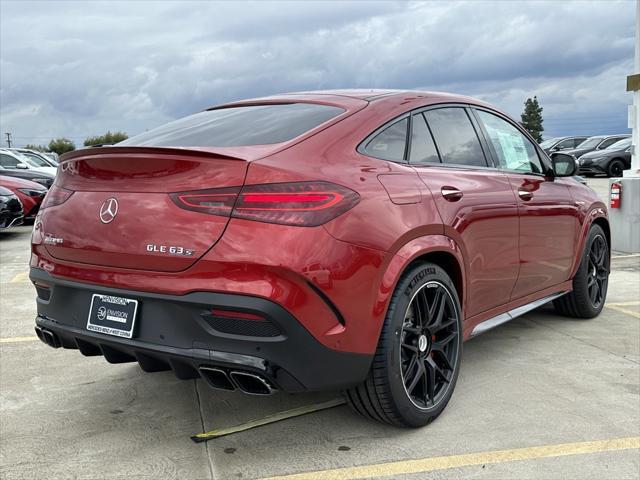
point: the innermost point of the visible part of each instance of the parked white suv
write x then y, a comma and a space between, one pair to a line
13, 160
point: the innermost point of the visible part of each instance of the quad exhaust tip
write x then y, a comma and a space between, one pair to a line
249, 383
48, 337
252, 384
217, 378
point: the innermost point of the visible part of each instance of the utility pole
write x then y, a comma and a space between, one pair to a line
8, 134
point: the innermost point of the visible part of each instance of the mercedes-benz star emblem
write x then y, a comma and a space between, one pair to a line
108, 210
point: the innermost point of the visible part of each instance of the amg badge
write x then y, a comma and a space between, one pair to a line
169, 250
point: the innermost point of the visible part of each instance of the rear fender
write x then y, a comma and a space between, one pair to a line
598, 213
404, 257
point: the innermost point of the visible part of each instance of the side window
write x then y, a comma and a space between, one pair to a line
455, 137
423, 150
390, 143
8, 161
579, 141
607, 142
568, 143
513, 149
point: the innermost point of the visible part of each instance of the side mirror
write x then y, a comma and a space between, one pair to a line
22, 166
556, 148
564, 165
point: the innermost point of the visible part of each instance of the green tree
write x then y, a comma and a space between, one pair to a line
39, 148
106, 139
61, 145
532, 118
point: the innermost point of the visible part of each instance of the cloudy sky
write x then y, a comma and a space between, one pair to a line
80, 68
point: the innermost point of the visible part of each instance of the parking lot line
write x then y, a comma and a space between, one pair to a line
425, 465
20, 277
620, 309
18, 339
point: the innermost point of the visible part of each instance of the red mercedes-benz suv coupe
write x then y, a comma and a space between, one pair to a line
314, 241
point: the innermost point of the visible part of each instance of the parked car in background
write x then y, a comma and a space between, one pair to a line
562, 143
10, 209
598, 142
36, 158
53, 156
611, 161
30, 194
12, 160
344, 240
44, 179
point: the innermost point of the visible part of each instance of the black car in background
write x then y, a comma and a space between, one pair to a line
44, 179
598, 142
10, 209
610, 161
562, 143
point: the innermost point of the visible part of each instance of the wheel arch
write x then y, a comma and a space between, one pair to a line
603, 223
597, 216
438, 249
449, 263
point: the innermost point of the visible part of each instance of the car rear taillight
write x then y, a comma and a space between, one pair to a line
56, 196
305, 204
214, 202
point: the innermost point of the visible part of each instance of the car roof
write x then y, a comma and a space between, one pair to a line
356, 99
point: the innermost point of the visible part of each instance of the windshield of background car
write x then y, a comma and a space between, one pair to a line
620, 144
238, 126
35, 160
591, 142
548, 143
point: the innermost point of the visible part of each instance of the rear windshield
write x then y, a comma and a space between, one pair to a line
238, 126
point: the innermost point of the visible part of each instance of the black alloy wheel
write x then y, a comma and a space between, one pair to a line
428, 348
615, 168
591, 281
416, 364
598, 271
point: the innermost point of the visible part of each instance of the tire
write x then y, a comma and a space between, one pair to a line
421, 340
615, 168
591, 278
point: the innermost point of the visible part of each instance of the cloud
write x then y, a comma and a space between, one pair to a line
79, 68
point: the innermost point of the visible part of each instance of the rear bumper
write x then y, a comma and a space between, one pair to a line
179, 332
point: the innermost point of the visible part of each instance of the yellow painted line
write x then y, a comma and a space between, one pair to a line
20, 277
276, 417
623, 310
632, 255
424, 465
18, 339
622, 304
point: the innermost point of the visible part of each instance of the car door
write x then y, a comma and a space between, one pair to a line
9, 161
548, 215
476, 202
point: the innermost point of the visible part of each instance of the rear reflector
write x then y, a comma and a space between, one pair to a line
305, 204
241, 315
56, 196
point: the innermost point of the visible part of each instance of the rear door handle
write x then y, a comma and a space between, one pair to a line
451, 193
525, 194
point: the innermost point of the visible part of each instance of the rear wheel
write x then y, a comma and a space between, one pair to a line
615, 168
417, 361
591, 280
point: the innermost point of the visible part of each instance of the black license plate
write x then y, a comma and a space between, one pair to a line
112, 315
